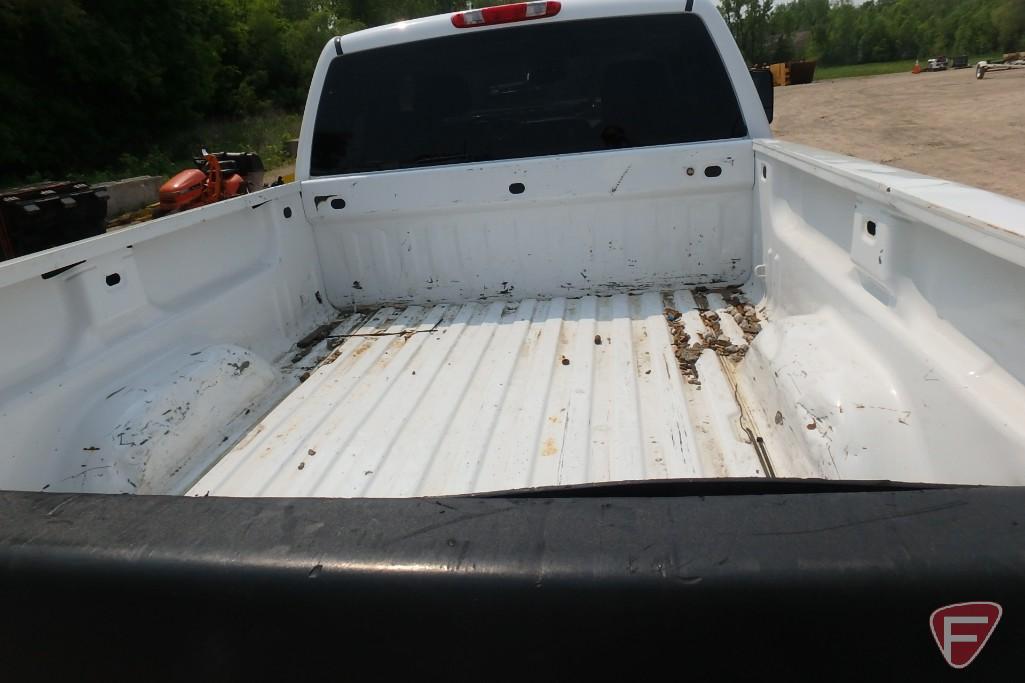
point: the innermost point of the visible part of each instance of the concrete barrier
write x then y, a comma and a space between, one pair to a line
132, 194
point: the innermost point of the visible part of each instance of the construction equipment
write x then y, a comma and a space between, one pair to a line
792, 73
217, 176
1010, 61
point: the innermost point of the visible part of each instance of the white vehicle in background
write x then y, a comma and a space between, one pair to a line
550, 351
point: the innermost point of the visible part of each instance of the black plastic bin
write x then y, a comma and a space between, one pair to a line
47, 215
247, 164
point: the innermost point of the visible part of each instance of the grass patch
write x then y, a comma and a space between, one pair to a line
264, 134
823, 73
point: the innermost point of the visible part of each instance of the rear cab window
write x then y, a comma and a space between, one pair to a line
525, 91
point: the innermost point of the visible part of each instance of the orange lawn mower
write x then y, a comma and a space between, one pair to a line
217, 176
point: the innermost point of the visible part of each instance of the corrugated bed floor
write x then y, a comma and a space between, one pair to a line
480, 397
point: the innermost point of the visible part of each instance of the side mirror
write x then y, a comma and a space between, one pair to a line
763, 84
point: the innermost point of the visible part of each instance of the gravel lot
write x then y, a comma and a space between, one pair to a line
945, 124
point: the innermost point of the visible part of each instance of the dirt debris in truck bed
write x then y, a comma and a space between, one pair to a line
688, 347
713, 338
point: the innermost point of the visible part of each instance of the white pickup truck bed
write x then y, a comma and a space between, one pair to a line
706, 303
550, 392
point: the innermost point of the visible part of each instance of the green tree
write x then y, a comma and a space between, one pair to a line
1009, 20
84, 82
749, 22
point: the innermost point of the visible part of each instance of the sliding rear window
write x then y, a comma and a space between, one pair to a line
528, 90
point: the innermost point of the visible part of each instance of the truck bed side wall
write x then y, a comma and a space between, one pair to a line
899, 301
143, 306
594, 223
